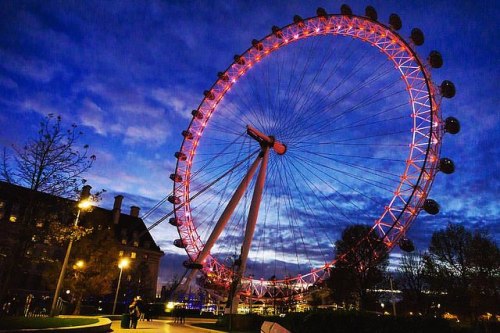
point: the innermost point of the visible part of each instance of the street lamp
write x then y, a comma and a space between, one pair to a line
79, 265
273, 280
251, 293
82, 205
234, 261
392, 298
79, 268
124, 262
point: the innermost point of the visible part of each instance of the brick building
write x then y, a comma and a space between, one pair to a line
26, 251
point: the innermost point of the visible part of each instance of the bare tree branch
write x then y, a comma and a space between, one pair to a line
50, 162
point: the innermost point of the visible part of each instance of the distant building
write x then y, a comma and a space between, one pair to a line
25, 218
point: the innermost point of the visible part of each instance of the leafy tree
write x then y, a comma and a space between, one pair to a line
140, 283
98, 253
465, 266
361, 265
319, 296
412, 281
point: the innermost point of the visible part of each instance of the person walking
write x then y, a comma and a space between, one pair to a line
134, 312
175, 314
182, 315
140, 304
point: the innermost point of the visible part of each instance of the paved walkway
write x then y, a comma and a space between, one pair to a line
165, 326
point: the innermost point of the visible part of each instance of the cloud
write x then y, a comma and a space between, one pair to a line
42, 103
92, 115
177, 99
7, 82
31, 68
123, 110
171, 268
154, 135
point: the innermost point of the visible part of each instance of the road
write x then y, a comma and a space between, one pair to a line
165, 326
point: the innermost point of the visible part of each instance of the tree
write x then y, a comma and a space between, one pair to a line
140, 283
412, 281
465, 266
99, 265
361, 265
49, 163
318, 296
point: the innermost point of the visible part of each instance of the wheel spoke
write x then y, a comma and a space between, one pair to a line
345, 111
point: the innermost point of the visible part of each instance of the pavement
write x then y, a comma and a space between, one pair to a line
165, 326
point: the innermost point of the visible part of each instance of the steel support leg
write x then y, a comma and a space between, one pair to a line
250, 228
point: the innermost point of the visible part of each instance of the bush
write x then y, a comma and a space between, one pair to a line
352, 322
355, 322
246, 322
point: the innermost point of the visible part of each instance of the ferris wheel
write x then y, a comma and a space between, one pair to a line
327, 122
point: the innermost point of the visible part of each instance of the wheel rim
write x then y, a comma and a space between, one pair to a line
335, 145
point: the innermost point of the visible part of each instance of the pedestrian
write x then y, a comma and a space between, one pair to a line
149, 312
175, 314
182, 315
134, 312
140, 304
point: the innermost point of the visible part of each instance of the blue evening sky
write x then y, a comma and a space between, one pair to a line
129, 73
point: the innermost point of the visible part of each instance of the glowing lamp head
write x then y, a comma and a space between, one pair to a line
123, 263
84, 204
79, 264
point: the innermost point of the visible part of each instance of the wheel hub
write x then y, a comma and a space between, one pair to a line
266, 140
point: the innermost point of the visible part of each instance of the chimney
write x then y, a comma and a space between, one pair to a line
85, 194
134, 211
117, 208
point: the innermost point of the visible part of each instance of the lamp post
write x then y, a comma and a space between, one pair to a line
273, 279
251, 293
121, 265
82, 205
234, 261
392, 298
79, 268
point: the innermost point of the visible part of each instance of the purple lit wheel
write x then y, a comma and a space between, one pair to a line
360, 118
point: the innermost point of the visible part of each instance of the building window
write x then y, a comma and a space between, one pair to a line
120, 253
124, 241
133, 255
145, 257
136, 243
39, 224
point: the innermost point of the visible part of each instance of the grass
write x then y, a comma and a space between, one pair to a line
41, 322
